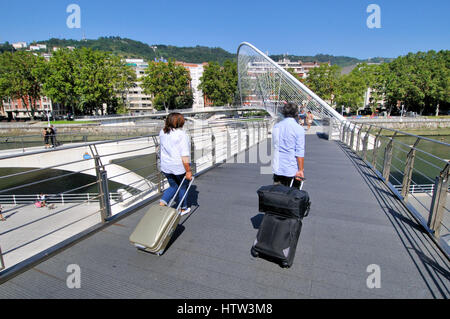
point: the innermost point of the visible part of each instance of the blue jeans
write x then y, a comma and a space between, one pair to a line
174, 183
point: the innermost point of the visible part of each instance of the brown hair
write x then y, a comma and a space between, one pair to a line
173, 121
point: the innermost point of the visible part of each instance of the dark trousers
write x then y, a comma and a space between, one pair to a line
285, 180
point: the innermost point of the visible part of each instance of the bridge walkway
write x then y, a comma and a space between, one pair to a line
354, 222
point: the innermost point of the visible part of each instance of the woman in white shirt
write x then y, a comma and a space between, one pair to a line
175, 158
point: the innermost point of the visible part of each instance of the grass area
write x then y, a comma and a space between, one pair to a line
445, 117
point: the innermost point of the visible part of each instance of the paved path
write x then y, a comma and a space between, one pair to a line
354, 222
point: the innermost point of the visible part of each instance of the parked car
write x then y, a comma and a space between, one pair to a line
69, 117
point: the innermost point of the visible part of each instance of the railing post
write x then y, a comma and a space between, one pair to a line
229, 146
2, 262
158, 161
366, 142
258, 140
358, 138
439, 201
239, 143
388, 159
213, 148
409, 170
193, 159
375, 149
342, 132
352, 138
105, 208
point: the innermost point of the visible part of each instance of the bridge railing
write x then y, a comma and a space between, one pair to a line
119, 175
17, 199
26, 142
408, 164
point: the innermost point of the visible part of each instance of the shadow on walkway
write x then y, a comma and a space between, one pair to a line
426, 256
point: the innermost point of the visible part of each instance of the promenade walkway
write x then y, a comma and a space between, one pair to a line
354, 222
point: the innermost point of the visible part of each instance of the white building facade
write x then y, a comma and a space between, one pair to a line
196, 72
138, 102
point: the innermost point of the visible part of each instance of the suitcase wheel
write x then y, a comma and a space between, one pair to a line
254, 252
159, 253
284, 264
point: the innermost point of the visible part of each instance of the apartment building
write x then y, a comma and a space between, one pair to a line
299, 67
19, 45
16, 109
196, 72
138, 102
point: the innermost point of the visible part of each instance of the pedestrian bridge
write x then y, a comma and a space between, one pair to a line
358, 221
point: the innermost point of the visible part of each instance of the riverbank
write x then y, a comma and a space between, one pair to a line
404, 124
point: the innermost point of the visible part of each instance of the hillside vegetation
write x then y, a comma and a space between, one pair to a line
135, 49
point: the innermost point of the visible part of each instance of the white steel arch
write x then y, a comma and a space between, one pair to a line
264, 84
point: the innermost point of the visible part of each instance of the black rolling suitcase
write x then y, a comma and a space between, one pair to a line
280, 228
277, 238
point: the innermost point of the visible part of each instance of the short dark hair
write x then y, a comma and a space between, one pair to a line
290, 110
173, 121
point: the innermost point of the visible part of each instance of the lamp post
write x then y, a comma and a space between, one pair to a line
48, 116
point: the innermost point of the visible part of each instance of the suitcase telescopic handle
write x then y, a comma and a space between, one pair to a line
301, 184
185, 194
178, 190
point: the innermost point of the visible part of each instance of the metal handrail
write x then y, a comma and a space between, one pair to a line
430, 214
145, 185
16, 199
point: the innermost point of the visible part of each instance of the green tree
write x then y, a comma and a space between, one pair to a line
324, 80
20, 77
124, 78
59, 84
169, 85
85, 79
98, 77
219, 84
350, 90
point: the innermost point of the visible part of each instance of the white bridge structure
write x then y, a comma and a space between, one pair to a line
263, 83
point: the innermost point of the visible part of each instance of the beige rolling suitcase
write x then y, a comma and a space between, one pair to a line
155, 229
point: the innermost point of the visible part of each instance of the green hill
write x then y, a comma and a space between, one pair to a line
342, 61
135, 49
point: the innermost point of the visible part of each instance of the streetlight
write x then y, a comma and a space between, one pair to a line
47, 111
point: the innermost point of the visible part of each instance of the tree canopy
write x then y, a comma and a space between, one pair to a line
169, 84
219, 84
21, 76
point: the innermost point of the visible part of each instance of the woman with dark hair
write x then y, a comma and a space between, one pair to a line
175, 158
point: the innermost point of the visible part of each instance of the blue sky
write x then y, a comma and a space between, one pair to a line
298, 27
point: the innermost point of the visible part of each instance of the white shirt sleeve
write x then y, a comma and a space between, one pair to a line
184, 145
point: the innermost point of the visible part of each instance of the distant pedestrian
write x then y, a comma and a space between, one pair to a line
43, 200
46, 135
1, 215
52, 131
309, 119
302, 117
